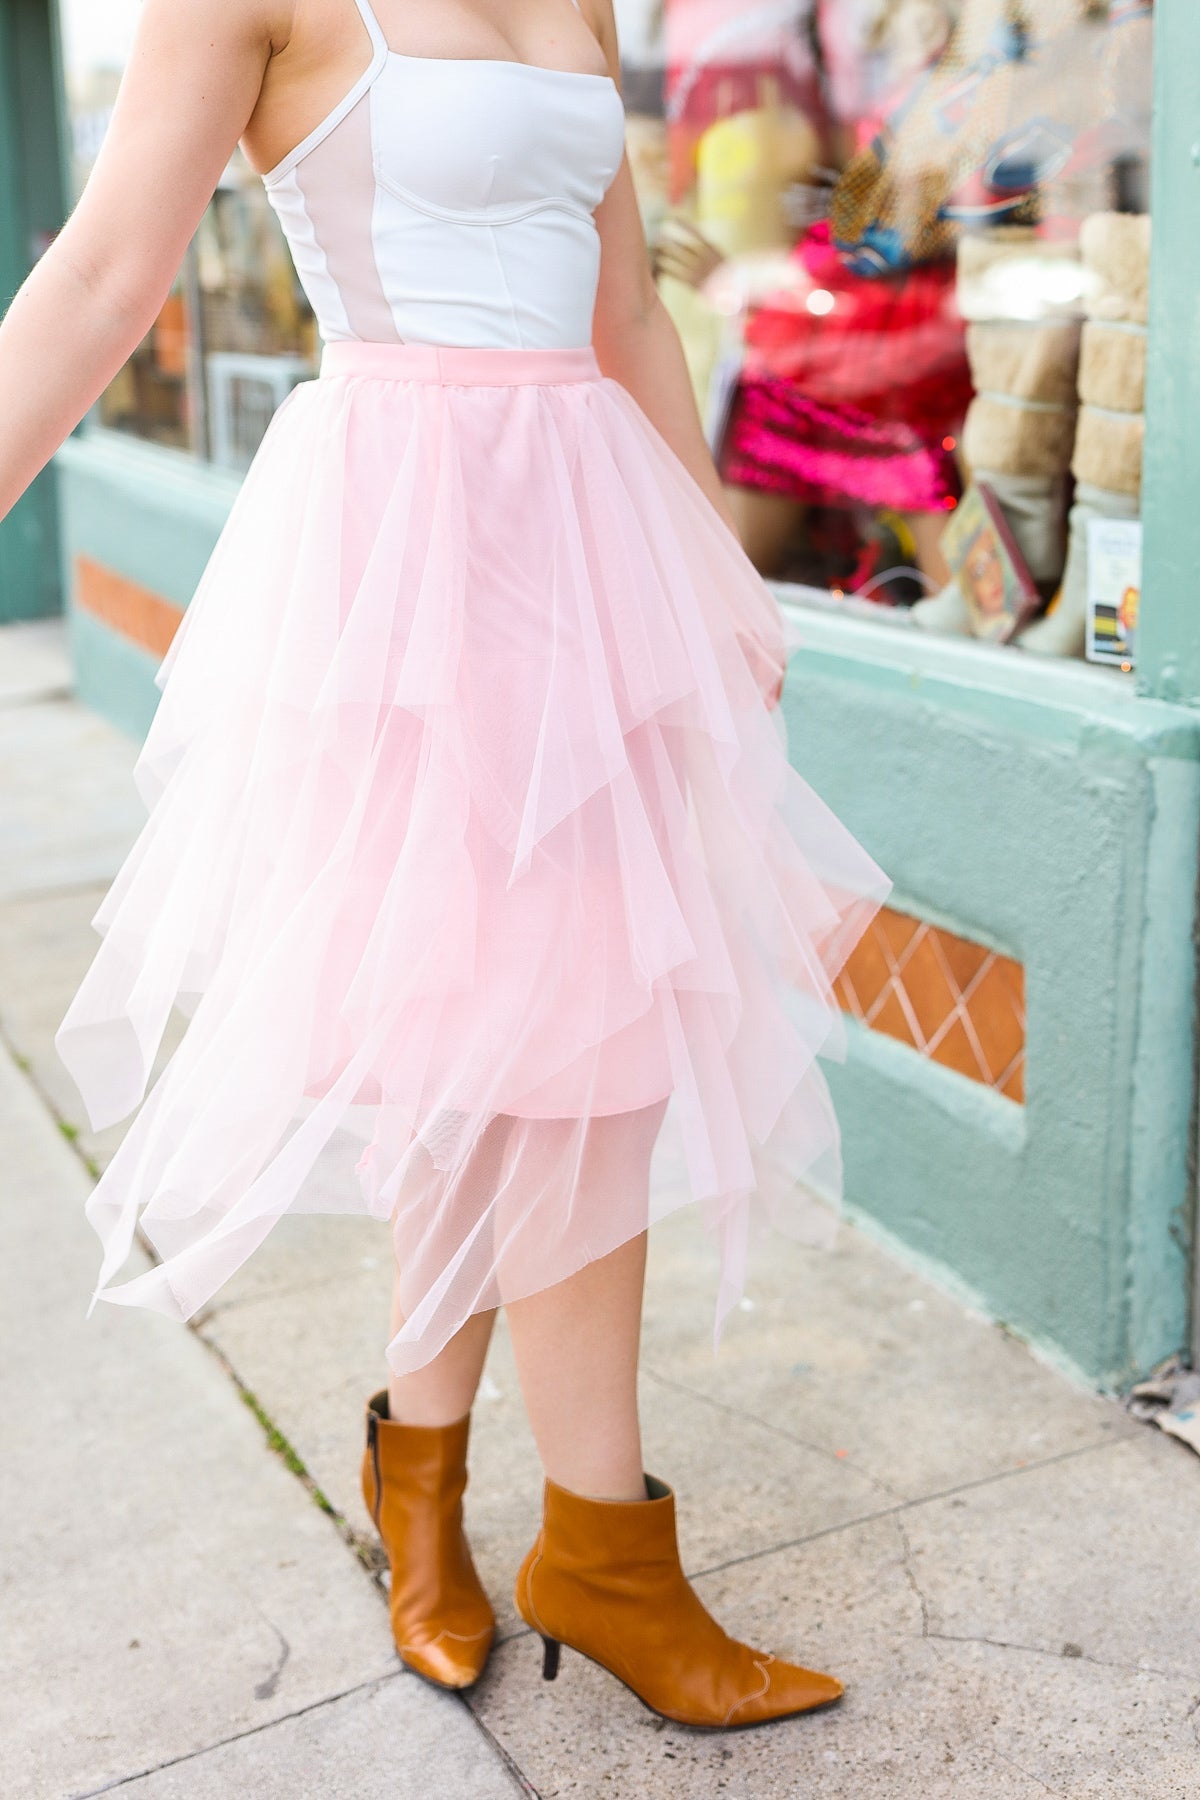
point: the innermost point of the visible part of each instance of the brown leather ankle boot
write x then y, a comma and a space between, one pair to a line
604, 1578
413, 1479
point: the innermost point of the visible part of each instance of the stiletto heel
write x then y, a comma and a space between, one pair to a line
550, 1659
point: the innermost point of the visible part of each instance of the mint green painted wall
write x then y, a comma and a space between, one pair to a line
1049, 811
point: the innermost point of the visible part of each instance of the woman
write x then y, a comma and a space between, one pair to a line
472, 829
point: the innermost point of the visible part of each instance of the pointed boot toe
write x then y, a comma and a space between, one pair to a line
450, 1660
413, 1480
785, 1690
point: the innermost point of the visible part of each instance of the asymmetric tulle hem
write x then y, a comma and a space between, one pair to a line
475, 857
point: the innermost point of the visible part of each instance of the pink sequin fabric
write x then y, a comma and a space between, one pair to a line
852, 405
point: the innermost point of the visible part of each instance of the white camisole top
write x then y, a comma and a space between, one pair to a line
451, 202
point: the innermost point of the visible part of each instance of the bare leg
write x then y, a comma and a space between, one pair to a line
927, 529
443, 1391
576, 1347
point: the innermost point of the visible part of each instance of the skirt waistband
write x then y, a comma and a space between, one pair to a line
459, 367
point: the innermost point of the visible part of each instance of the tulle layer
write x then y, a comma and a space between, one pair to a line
473, 845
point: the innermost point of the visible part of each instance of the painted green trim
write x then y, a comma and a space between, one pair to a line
13, 258
32, 207
1163, 1084
1046, 699
1169, 629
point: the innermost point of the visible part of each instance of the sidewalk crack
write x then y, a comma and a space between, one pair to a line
904, 1506
1071, 1653
1028, 1774
265, 1689
910, 1575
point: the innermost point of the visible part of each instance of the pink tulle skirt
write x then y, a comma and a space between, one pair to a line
474, 856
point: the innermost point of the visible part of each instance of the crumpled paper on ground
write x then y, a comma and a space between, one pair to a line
1170, 1399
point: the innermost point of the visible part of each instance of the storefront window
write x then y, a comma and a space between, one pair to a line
236, 333
906, 244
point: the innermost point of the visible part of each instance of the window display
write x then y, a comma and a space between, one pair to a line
236, 333
906, 243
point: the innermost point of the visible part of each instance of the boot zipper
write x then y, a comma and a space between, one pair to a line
373, 1447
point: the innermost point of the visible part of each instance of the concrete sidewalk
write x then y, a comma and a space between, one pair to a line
1003, 1569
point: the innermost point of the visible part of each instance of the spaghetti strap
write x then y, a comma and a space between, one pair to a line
379, 56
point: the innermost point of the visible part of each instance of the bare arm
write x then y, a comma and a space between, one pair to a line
636, 340
191, 86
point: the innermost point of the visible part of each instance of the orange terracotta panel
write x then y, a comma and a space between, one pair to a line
1013, 1086
963, 959
893, 1021
143, 617
844, 994
929, 992
954, 1001
955, 1051
869, 970
997, 1021
897, 930
1013, 976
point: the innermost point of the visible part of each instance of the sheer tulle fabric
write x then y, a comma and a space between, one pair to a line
472, 844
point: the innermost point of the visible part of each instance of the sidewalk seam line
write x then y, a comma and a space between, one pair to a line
67, 1128
829, 1456
280, 1445
906, 1506
173, 1762
509, 1762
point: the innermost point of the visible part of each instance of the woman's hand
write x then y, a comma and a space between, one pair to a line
685, 254
769, 669
191, 86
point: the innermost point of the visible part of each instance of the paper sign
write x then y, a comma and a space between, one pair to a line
1114, 589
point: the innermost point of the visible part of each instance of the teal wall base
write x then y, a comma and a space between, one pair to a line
112, 676
1047, 811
